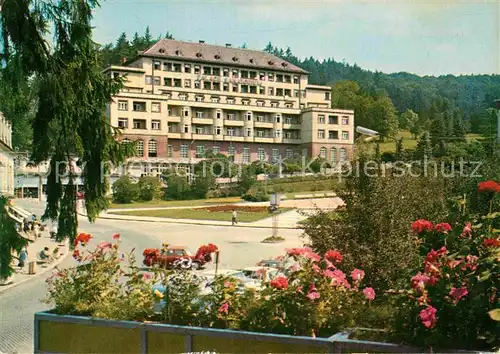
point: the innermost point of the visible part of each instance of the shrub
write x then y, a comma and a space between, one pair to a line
124, 191
201, 185
149, 188
177, 188
256, 195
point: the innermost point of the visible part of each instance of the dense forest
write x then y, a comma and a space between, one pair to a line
386, 102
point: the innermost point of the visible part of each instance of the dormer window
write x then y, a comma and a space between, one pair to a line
178, 52
251, 60
284, 64
199, 55
217, 56
270, 62
235, 59
162, 50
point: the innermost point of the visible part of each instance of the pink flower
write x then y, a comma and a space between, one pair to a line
280, 282
357, 275
421, 225
329, 265
224, 308
146, 276
428, 316
294, 268
458, 293
444, 227
369, 293
453, 263
471, 262
228, 284
334, 256
467, 231
300, 289
312, 256
433, 255
316, 268
294, 252
116, 236
103, 245
419, 281
312, 295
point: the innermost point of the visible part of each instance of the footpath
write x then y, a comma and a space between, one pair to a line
34, 247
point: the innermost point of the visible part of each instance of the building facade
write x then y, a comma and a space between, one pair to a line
6, 158
182, 99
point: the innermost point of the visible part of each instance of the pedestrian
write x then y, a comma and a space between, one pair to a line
37, 231
53, 231
23, 257
44, 255
235, 216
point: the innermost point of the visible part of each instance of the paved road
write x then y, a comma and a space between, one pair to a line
239, 248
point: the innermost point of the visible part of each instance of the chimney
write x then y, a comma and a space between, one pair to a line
228, 45
201, 42
124, 60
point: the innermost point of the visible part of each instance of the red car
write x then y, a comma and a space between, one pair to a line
178, 257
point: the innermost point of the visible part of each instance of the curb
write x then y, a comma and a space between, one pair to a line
106, 217
35, 276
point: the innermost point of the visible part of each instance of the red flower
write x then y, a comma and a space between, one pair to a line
421, 225
458, 293
76, 255
491, 242
82, 238
419, 281
334, 256
224, 308
369, 293
357, 275
116, 237
470, 262
294, 252
444, 227
312, 256
151, 252
433, 255
432, 269
467, 231
428, 316
280, 282
489, 187
103, 245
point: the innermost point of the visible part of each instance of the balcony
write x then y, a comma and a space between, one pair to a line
207, 120
234, 123
264, 124
291, 126
174, 119
266, 139
293, 140
174, 135
234, 138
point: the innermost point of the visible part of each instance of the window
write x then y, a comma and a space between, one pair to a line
155, 124
200, 149
278, 118
230, 131
148, 79
260, 133
295, 79
225, 72
231, 151
235, 87
157, 65
244, 74
166, 66
230, 116
262, 90
184, 151
321, 119
277, 133
246, 155
197, 84
140, 148
123, 105
275, 155
343, 154
139, 106
187, 83
152, 148
345, 135
270, 91
295, 93
187, 68
248, 116
333, 134
218, 114
197, 69
245, 102
186, 128
156, 107
323, 152
167, 81
235, 73
183, 97
327, 96
260, 118
225, 87
345, 120
260, 103
199, 114
207, 85
199, 130
199, 98
218, 130
215, 150
321, 134
157, 80
333, 120
288, 153
139, 123
207, 70
333, 155
270, 77
261, 154
274, 104
249, 131
169, 151
289, 105
230, 101
123, 123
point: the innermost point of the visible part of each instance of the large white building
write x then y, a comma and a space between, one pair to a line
6, 158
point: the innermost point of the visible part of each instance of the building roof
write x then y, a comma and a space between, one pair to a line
124, 68
169, 48
318, 87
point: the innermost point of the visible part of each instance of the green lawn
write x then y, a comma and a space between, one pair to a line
409, 142
198, 214
176, 203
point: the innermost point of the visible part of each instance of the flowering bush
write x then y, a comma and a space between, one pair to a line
205, 251
453, 299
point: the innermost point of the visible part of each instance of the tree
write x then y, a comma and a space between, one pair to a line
438, 131
70, 120
9, 240
458, 126
424, 147
409, 121
177, 187
383, 115
148, 39
244, 46
247, 179
124, 190
399, 149
269, 48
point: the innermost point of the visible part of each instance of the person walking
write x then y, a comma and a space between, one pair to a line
37, 231
235, 216
23, 257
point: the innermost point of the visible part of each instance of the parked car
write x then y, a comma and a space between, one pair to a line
244, 281
173, 257
260, 273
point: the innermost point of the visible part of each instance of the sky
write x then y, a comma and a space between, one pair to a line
431, 37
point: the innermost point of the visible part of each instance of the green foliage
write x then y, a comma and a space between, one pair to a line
124, 190
258, 194
247, 178
149, 188
201, 185
10, 240
424, 147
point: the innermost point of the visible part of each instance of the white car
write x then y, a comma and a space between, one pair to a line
260, 273
246, 282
